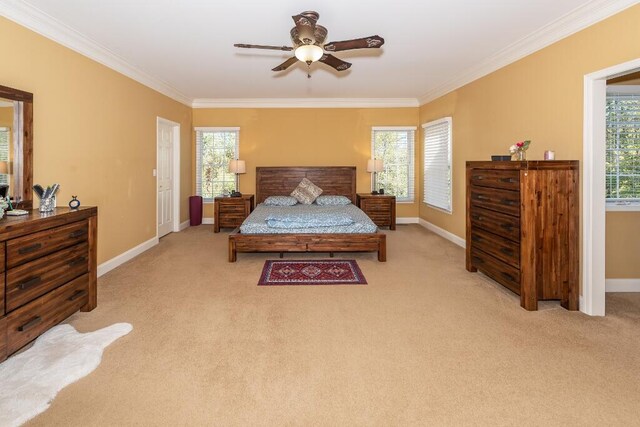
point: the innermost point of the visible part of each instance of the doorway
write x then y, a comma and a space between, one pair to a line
592, 301
168, 177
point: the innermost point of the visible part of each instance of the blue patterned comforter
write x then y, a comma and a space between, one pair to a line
307, 219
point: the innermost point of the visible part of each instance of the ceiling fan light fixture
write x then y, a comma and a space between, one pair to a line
309, 53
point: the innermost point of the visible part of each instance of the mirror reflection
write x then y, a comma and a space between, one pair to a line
11, 143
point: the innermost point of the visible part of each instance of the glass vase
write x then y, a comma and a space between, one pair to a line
521, 156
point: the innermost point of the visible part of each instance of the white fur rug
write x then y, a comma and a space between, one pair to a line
30, 380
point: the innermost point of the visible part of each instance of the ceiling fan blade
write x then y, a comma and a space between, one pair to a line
363, 43
258, 46
305, 26
286, 64
334, 62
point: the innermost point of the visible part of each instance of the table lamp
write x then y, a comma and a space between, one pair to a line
374, 166
237, 167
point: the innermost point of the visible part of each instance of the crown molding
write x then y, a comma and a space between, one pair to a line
38, 21
306, 103
576, 20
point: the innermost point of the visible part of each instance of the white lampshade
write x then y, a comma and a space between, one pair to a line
309, 53
237, 166
375, 165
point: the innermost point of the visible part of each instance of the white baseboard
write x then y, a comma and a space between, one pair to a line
407, 220
443, 233
207, 220
184, 225
622, 285
107, 266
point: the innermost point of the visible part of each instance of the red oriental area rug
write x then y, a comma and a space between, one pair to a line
312, 272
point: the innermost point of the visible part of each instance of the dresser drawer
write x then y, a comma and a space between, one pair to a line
231, 220
508, 180
499, 271
503, 225
501, 248
3, 338
372, 205
26, 323
36, 245
232, 208
496, 199
28, 281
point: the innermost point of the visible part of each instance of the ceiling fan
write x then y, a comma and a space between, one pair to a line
309, 46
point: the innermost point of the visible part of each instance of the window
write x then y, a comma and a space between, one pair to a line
4, 152
437, 164
214, 148
623, 147
394, 146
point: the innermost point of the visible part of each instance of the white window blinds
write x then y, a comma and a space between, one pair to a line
623, 147
214, 148
395, 147
437, 163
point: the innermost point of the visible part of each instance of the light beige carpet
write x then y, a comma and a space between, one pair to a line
425, 343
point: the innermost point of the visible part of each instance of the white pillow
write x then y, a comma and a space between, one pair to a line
280, 201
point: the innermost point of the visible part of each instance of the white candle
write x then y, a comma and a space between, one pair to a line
549, 155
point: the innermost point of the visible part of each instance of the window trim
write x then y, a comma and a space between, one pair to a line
449, 121
412, 197
237, 153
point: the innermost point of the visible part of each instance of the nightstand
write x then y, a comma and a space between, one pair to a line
381, 208
231, 211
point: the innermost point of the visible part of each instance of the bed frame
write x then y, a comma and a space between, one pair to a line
281, 181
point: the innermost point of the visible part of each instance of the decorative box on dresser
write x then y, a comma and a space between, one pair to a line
49, 271
522, 228
381, 208
229, 212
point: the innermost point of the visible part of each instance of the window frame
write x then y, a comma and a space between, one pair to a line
214, 129
449, 121
411, 198
620, 204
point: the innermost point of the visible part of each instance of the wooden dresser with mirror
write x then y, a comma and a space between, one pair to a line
48, 261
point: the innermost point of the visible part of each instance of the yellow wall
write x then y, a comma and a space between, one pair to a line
308, 137
622, 240
95, 134
6, 117
539, 98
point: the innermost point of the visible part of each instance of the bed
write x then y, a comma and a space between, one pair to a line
281, 181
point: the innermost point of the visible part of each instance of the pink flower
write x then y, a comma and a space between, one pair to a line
520, 144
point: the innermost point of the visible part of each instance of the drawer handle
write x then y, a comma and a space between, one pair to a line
77, 233
30, 248
479, 177
476, 238
507, 276
29, 283
30, 324
509, 180
506, 251
477, 217
478, 260
77, 261
507, 227
481, 197
509, 202
77, 294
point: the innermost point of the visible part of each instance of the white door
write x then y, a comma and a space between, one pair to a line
165, 179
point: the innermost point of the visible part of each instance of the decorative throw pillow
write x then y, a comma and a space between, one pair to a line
332, 200
280, 201
306, 192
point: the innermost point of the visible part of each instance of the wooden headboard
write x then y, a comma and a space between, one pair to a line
282, 180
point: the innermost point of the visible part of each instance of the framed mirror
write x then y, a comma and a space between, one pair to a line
16, 146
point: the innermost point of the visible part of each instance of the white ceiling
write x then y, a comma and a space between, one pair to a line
185, 48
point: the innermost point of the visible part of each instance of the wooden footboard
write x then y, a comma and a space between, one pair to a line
360, 242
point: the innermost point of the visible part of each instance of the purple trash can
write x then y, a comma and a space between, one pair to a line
195, 210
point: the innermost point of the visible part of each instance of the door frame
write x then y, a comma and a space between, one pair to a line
592, 301
175, 226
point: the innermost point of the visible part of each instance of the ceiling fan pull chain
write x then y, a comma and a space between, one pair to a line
308, 71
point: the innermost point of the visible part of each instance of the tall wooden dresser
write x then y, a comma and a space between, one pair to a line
48, 271
522, 228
